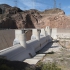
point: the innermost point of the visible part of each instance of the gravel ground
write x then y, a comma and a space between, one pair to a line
62, 59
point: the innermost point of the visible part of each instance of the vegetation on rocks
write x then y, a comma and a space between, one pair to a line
48, 66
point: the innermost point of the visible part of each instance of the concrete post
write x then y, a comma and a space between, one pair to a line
43, 32
38, 34
35, 34
48, 30
54, 33
20, 35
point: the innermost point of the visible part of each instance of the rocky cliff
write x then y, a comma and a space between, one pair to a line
13, 18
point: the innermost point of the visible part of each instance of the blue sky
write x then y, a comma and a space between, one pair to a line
39, 4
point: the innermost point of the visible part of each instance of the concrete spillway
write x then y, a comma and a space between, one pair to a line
23, 49
26, 50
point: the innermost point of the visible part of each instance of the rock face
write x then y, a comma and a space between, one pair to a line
53, 11
13, 18
55, 21
8, 23
0, 11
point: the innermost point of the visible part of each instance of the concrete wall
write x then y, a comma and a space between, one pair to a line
18, 52
63, 33
7, 36
60, 33
38, 40
54, 33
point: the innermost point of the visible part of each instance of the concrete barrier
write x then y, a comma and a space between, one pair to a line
54, 33
26, 49
17, 52
35, 34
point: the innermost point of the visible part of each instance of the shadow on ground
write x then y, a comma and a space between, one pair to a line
47, 47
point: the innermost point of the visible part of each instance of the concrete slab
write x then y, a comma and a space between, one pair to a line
31, 61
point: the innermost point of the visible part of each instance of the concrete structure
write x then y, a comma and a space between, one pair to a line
54, 33
63, 33
60, 33
23, 49
48, 30
43, 32
6, 38
35, 34
20, 37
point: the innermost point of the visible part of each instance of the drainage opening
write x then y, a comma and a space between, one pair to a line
30, 55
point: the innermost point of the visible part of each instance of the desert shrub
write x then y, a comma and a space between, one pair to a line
47, 66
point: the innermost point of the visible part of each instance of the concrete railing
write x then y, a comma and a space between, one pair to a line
23, 49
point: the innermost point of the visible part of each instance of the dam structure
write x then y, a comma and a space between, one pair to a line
26, 51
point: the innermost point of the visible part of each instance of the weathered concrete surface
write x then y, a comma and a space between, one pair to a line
20, 53
17, 53
7, 36
31, 61
54, 33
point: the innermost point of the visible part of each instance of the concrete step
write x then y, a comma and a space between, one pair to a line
35, 59
31, 61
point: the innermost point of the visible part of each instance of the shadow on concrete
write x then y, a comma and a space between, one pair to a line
47, 47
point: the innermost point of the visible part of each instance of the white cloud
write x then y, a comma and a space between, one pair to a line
28, 4
31, 4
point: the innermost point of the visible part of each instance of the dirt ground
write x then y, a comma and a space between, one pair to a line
62, 59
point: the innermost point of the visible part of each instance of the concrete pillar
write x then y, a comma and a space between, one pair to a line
48, 30
20, 35
54, 33
43, 32
35, 34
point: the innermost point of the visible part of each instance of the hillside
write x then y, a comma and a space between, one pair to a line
15, 18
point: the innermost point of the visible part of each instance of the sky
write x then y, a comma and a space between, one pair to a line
40, 5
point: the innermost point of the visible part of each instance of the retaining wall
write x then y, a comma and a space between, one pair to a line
20, 52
